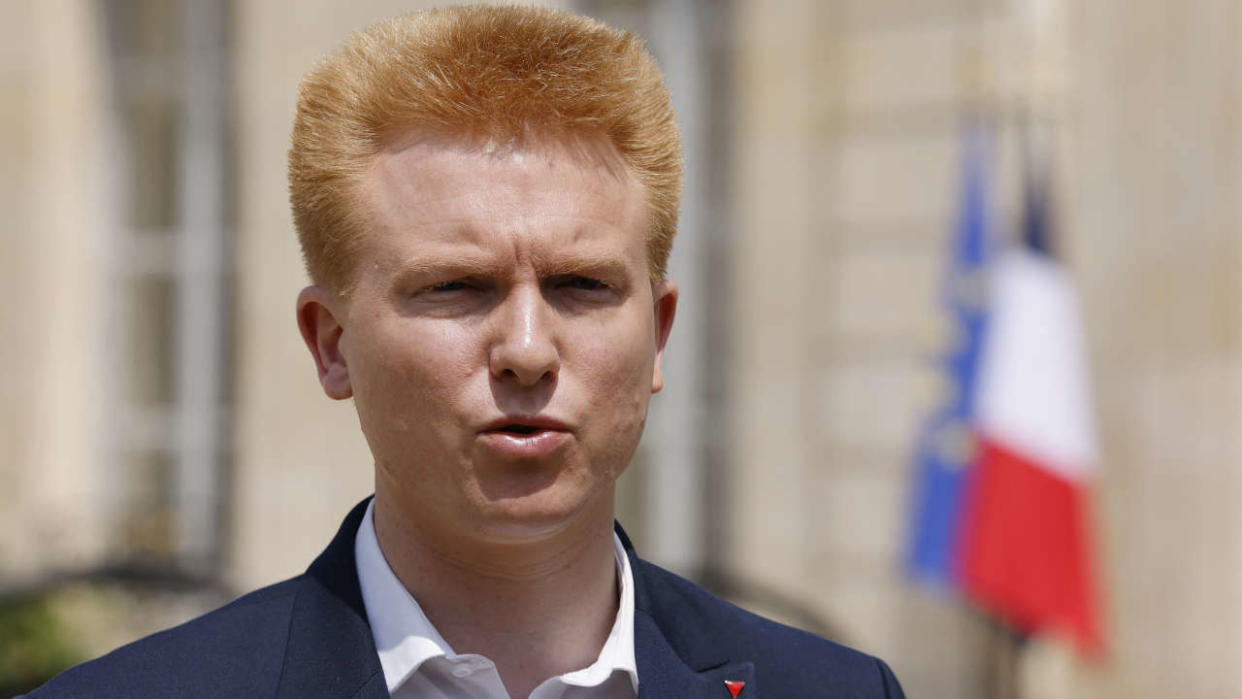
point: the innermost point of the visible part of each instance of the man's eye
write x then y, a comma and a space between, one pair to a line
585, 284
447, 286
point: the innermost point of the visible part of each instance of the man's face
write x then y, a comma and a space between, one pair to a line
502, 338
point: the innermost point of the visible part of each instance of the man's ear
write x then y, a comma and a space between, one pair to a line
665, 294
321, 330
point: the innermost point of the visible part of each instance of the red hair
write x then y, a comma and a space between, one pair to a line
487, 74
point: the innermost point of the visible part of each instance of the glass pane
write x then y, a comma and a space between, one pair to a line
151, 131
146, 527
146, 361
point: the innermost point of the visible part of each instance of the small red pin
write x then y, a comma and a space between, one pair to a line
735, 687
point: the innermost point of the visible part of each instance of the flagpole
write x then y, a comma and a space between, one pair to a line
1003, 677
1003, 646
1003, 649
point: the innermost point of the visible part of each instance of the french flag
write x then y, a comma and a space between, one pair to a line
1024, 550
1013, 533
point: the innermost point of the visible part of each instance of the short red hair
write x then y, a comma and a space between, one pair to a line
487, 74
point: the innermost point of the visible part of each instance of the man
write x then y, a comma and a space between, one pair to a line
486, 199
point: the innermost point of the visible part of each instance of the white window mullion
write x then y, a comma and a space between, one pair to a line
201, 332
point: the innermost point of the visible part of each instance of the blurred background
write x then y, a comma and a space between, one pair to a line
164, 445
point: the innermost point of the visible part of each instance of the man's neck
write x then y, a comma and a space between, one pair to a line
536, 609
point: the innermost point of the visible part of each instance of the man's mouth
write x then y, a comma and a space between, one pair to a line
519, 429
519, 425
527, 437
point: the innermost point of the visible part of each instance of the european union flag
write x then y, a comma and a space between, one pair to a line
945, 447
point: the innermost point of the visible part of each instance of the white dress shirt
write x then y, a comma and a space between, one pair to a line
418, 662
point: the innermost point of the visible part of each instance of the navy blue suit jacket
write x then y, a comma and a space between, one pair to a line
309, 637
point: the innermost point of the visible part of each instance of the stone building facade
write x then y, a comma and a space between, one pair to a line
823, 138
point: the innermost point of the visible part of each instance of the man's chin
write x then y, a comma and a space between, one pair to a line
538, 515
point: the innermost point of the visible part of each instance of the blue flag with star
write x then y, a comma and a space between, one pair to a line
945, 448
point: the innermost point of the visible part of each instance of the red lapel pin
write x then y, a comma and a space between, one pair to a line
735, 687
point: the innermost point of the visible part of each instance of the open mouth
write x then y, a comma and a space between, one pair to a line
535, 438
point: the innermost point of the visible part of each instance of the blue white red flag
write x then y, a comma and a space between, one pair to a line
1004, 466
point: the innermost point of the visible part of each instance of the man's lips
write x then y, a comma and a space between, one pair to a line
525, 424
520, 437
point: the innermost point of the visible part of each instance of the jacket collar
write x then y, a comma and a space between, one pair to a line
677, 658
331, 651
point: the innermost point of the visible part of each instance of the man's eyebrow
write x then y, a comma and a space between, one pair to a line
601, 265
548, 266
460, 265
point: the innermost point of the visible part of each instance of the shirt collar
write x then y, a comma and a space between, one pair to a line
405, 638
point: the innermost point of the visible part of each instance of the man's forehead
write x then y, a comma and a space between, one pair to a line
418, 178
432, 200
587, 148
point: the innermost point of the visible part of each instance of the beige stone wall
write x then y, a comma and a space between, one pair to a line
1157, 243
53, 163
846, 182
300, 460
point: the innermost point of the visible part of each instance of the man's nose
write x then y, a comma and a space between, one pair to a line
524, 348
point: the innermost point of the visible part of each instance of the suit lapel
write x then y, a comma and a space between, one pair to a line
683, 664
331, 652
662, 673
